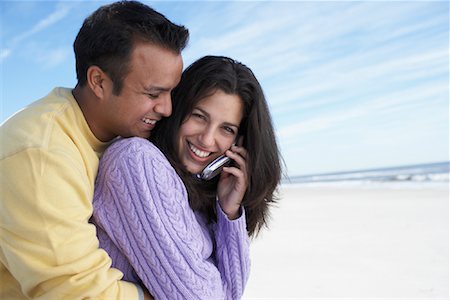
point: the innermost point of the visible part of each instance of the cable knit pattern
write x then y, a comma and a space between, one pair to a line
145, 223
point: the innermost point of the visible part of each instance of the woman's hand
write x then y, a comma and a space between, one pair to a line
233, 182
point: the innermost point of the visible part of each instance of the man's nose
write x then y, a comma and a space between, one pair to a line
164, 105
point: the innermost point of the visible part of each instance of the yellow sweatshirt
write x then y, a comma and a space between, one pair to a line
48, 164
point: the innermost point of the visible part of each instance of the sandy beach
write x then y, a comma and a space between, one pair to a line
354, 242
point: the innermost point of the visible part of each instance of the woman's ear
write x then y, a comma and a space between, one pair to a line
96, 80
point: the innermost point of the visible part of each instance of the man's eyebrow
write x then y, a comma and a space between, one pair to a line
156, 89
203, 111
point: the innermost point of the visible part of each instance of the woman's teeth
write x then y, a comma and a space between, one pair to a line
198, 152
149, 121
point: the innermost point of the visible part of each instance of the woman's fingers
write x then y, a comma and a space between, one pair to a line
234, 171
240, 177
239, 155
241, 150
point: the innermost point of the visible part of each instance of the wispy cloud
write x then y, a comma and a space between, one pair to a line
17, 42
350, 78
4, 53
59, 14
325, 46
389, 103
54, 57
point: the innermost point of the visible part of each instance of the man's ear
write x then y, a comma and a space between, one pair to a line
97, 81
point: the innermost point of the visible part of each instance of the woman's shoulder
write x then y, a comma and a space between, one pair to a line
133, 146
125, 151
137, 155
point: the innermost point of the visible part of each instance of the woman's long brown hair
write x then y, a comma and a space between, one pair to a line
201, 79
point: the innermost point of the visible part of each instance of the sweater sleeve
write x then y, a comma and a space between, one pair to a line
141, 203
232, 253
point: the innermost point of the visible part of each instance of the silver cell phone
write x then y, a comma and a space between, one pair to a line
214, 167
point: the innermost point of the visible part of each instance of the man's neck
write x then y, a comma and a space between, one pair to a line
87, 103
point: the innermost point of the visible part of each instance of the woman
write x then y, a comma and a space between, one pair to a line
181, 237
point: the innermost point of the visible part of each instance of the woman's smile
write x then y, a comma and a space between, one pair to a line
199, 153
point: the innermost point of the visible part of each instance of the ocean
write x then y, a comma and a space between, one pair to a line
437, 173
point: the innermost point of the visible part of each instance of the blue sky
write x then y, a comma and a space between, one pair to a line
351, 85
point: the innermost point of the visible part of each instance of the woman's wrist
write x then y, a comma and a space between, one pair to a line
233, 215
232, 211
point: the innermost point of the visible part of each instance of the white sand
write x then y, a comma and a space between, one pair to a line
354, 242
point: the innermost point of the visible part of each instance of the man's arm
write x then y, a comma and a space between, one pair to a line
147, 296
46, 242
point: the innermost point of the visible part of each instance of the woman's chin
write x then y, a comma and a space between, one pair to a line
194, 169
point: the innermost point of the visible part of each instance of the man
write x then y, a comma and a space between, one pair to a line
128, 59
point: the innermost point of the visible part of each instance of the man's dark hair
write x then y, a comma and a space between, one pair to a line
108, 36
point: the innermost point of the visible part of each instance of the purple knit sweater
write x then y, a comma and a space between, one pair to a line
146, 225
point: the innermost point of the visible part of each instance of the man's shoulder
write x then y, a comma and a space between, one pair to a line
55, 101
36, 125
40, 112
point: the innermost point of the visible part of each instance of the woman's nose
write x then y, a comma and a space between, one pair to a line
207, 138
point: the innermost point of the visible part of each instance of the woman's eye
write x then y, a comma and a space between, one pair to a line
229, 129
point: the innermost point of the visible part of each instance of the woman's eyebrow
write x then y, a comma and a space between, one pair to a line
207, 115
231, 124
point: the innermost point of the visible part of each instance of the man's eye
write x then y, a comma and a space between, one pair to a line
153, 96
199, 116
